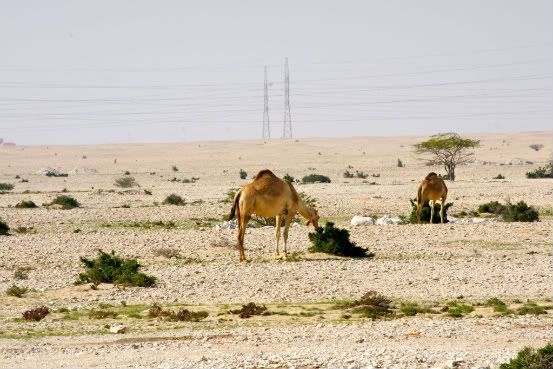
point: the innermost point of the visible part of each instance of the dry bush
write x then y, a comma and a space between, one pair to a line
126, 182
36, 314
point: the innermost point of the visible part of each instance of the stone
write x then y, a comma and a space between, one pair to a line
361, 220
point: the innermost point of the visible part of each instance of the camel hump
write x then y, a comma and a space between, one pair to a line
430, 176
264, 172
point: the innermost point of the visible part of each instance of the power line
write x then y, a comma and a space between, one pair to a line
287, 127
266, 128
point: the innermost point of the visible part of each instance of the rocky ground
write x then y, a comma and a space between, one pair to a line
429, 264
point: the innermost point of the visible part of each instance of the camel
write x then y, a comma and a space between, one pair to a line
431, 189
269, 196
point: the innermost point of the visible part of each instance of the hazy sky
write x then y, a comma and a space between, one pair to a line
157, 71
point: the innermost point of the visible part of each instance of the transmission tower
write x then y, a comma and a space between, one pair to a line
287, 128
266, 128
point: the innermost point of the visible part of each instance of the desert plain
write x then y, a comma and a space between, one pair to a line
197, 267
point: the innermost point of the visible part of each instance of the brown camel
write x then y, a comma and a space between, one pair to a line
431, 189
269, 196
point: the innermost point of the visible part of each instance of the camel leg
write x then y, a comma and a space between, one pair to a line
288, 221
419, 208
277, 235
241, 232
431, 203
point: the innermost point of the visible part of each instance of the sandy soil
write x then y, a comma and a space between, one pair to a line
423, 263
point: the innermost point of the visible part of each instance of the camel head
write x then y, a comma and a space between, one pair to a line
312, 217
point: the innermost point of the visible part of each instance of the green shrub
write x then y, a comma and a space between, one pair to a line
520, 212
182, 315
16, 291
4, 228
492, 207
541, 172
126, 182
335, 241
109, 268
457, 310
36, 314
499, 176
66, 202
6, 187
289, 178
426, 211
399, 163
231, 193
315, 178
26, 204
528, 358
174, 199
530, 308
243, 174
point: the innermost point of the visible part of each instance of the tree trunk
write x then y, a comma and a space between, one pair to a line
450, 171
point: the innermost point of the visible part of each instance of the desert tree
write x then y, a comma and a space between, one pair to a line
448, 150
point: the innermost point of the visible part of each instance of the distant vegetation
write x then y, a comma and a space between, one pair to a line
126, 182
26, 204
541, 172
315, 178
335, 241
243, 174
289, 178
6, 187
110, 268
499, 176
66, 202
16, 291
399, 163
182, 315
536, 147
519, 212
174, 199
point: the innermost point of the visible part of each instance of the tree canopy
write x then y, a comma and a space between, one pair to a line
449, 150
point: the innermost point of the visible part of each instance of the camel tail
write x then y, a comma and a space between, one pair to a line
419, 194
235, 210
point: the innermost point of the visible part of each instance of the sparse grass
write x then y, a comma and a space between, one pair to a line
23, 230
335, 241
181, 315
410, 308
222, 242
289, 178
148, 224
126, 182
528, 358
16, 291
231, 193
315, 178
36, 314
102, 314
6, 187
174, 199
109, 268
26, 204
21, 273
66, 202
167, 252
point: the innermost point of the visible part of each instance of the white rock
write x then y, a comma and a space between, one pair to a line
118, 328
360, 220
388, 219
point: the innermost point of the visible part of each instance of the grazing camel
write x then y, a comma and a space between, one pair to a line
269, 196
431, 189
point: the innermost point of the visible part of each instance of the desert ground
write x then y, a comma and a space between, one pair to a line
308, 325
